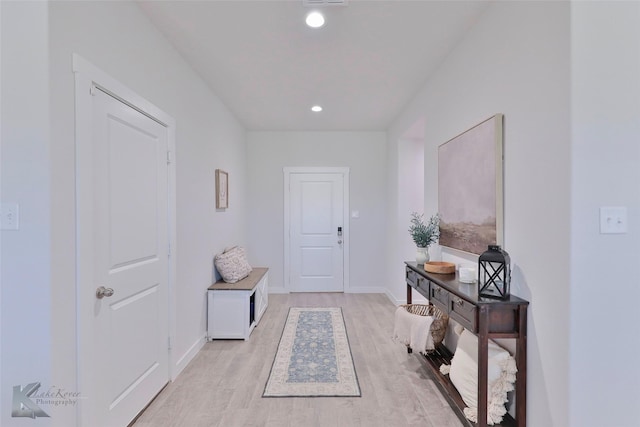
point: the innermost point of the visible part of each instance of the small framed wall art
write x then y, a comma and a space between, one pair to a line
222, 189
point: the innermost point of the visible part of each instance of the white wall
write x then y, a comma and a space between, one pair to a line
405, 170
362, 152
38, 270
515, 61
605, 52
26, 259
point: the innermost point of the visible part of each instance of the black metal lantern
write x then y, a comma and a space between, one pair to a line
494, 273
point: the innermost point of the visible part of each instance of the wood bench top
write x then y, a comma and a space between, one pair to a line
246, 284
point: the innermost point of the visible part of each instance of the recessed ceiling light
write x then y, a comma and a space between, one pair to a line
316, 108
315, 20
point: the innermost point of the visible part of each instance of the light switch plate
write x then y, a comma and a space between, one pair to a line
613, 220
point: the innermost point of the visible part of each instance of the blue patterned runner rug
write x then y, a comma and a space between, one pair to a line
313, 357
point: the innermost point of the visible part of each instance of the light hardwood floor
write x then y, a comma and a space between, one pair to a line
223, 385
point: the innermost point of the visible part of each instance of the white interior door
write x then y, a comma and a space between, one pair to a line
317, 232
129, 324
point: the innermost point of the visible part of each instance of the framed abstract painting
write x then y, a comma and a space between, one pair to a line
470, 188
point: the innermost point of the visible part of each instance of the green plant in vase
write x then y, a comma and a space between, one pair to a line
424, 234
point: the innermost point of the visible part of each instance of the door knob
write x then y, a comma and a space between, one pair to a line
339, 241
102, 292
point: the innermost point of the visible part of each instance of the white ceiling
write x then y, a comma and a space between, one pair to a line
269, 68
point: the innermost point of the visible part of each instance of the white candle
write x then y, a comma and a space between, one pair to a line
467, 274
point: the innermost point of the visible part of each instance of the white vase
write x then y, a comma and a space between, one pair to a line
422, 255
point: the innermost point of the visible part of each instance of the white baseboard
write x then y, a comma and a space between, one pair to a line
398, 301
365, 290
187, 357
393, 299
351, 290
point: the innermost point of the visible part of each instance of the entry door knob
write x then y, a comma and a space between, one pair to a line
102, 292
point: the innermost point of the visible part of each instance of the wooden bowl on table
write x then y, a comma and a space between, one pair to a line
440, 267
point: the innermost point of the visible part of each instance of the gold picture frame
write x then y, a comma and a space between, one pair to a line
222, 189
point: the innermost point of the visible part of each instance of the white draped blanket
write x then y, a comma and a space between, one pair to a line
413, 330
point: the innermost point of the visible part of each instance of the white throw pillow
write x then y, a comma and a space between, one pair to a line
232, 264
464, 376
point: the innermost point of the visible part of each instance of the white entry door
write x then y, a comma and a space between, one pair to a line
317, 232
128, 294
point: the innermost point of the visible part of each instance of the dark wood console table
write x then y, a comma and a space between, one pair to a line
487, 319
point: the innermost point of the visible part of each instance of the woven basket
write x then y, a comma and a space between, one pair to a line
440, 320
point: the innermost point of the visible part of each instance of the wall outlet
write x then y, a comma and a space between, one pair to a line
9, 216
613, 220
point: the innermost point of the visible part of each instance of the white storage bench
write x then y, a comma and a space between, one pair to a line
234, 309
